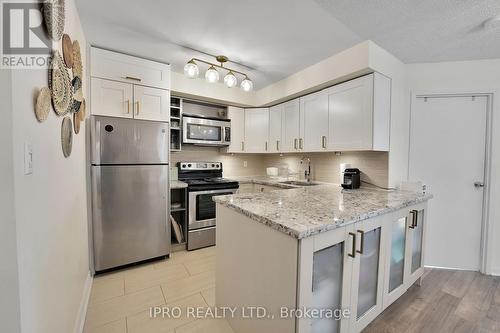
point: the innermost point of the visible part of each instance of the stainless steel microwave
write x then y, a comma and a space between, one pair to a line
206, 131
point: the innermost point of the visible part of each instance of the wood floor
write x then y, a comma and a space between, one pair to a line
447, 301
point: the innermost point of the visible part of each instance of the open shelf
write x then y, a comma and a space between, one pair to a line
175, 123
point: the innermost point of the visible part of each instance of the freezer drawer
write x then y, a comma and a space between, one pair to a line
129, 141
129, 210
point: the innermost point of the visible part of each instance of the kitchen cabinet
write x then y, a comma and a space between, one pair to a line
111, 98
290, 126
237, 116
275, 128
359, 114
125, 68
256, 130
151, 103
314, 122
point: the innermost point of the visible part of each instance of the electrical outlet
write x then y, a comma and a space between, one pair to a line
245, 164
28, 158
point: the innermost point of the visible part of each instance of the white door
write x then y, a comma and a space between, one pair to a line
447, 153
111, 98
256, 130
275, 128
151, 103
351, 115
314, 121
237, 116
291, 126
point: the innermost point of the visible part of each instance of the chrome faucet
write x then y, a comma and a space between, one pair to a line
307, 172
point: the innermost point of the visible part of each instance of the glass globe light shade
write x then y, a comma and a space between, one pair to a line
246, 84
230, 80
212, 75
191, 70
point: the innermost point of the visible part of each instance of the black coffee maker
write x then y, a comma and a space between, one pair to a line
352, 178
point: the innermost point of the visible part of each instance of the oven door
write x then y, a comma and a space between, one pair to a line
207, 132
202, 207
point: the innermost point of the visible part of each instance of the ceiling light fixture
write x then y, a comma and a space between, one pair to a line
212, 75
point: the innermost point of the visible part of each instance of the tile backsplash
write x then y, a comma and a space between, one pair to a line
324, 166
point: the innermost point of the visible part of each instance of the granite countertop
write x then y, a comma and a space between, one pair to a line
306, 211
176, 184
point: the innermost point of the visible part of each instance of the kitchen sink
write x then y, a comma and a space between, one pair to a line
299, 183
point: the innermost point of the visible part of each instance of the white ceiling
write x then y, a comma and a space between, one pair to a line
276, 38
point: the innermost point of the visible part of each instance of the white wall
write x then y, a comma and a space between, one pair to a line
50, 206
10, 317
470, 76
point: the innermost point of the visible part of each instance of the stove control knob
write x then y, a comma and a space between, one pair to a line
213, 165
218, 165
183, 166
189, 165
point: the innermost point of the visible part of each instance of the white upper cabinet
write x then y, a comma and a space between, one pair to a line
111, 98
237, 116
256, 130
290, 126
121, 67
314, 122
151, 103
275, 128
359, 114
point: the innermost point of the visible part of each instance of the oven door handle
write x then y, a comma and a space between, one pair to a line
194, 193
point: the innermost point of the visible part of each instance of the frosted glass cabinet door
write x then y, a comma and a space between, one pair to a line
368, 272
328, 271
397, 258
417, 219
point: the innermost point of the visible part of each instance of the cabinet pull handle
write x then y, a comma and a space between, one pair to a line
137, 113
266, 145
242, 146
362, 242
301, 145
128, 106
295, 144
353, 254
413, 215
323, 141
277, 145
133, 78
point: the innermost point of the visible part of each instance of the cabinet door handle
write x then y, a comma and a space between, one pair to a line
362, 242
133, 78
323, 141
242, 146
128, 106
295, 144
266, 145
137, 111
413, 216
277, 145
353, 249
301, 143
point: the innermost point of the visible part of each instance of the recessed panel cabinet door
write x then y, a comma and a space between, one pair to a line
291, 126
350, 106
237, 116
314, 121
275, 129
256, 130
110, 98
368, 273
151, 103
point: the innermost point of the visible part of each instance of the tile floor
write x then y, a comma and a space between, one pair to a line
120, 301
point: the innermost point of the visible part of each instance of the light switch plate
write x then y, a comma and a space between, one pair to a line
245, 164
28, 158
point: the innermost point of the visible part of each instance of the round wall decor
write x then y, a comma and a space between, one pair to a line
67, 47
76, 123
42, 107
54, 16
62, 92
66, 136
77, 60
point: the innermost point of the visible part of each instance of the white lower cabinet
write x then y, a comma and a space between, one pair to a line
360, 269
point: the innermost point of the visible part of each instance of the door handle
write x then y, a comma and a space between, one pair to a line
266, 145
323, 141
128, 106
414, 214
478, 184
353, 250
362, 243
295, 144
301, 143
277, 145
137, 113
242, 146
133, 78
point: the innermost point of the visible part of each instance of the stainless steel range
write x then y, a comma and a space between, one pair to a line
204, 181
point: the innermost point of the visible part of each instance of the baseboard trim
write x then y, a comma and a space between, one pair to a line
451, 268
84, 302
495, 271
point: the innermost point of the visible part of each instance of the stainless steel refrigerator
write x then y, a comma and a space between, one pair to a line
130, 191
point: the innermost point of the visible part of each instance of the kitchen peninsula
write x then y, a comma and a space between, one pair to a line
317, 247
